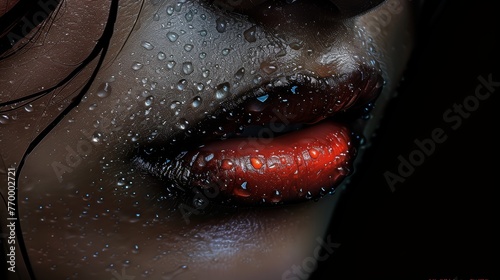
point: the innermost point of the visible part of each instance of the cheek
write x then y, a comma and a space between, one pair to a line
85, 210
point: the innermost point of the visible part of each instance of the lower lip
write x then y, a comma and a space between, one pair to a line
300, 165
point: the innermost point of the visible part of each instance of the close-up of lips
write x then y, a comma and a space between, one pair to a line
233, 139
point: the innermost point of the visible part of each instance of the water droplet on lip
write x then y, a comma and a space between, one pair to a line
256, 163
263, 98
227, 164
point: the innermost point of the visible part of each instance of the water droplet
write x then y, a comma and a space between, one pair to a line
147, 45
182, 124
256, 163
227, 164
220, 25
170, 10
268, 67
276, 197
263, 98
171, 64
313, 153
28, 108
161, 56
222, 90
92, 107
196, 102
205, 73
226, 51
135, 249
187, 68
87, 197
172, 36
257, 79
137, 66
188, 47
200, 86
308, 195
156, 17
104, 90
189, 16
296, 45
96, 137
242, 191
181, 85
239, 74
202, 55
149, 101
249, 34
203, 33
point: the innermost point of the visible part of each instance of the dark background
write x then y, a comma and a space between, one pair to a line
439, 223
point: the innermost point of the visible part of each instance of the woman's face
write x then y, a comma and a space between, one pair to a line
161, 83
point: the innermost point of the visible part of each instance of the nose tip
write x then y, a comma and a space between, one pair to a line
345, 8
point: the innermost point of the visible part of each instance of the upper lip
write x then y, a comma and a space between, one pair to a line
289, 100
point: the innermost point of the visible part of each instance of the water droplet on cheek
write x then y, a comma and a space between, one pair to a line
28, 108
239, 74
161, 56
187, 68
249, 34
172, 36
104, 90
222, 90
196, 102
220, 25
182, 124
96, 137
181, 85
147, 45
188, 47
137, 66
171, 64
268, 68
149, 101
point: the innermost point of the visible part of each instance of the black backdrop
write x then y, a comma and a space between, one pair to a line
439, 223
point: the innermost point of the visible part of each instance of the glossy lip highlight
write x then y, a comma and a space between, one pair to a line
300, 100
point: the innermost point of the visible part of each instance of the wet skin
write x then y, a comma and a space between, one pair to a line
86, 210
